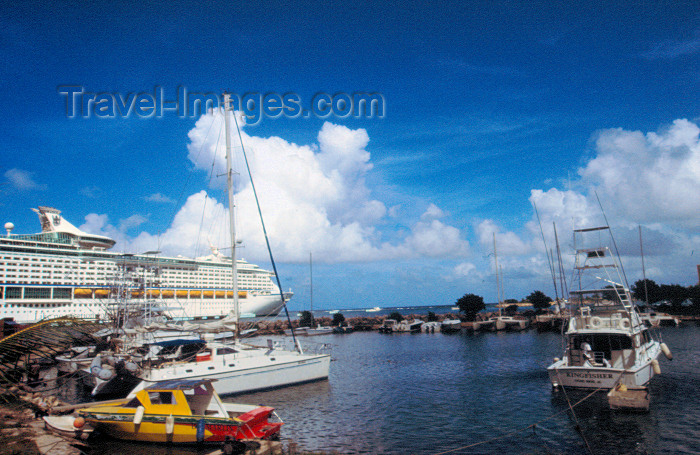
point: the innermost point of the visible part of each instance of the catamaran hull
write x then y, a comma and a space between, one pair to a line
275, 374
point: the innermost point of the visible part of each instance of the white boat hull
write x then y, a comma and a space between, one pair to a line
248, 374
595, 377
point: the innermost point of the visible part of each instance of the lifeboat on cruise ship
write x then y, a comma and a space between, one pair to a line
208, 294
167, 294
195, 294
220, 294
242, 294
154, 293
182, 294
101, 293
82, 293
137, 294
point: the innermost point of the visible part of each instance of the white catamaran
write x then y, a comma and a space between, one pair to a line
606, 341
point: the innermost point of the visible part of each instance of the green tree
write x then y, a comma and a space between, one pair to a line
539, 300
470, 305
396, 316
611, 293
306, 319
674, 293
694, 296
338, 320
511, 310
652, 289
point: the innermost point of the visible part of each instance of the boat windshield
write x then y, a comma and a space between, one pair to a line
603, 342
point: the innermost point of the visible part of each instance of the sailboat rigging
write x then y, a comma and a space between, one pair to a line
237, 367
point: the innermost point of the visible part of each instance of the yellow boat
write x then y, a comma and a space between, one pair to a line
181, 412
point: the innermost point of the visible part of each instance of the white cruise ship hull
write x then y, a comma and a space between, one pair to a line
64, 271
29, 311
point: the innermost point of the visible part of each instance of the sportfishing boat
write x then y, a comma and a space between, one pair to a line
606, 342
181, 412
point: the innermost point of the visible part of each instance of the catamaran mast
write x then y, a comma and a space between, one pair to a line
231, 213
498, 284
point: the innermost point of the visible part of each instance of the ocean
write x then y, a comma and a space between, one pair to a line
474, 393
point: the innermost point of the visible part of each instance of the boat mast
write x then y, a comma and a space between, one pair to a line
644, 272
311, 285
498, 285
231, 208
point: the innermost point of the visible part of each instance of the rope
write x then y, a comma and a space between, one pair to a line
533, 425
578, 426
267, 240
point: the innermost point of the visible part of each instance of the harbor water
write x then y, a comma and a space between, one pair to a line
474, 393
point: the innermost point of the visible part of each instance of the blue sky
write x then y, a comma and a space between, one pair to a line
489, 106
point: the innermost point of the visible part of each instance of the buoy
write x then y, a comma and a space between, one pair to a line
169, 424
79, 422
655, 366
138, 415
596, 321
666, 351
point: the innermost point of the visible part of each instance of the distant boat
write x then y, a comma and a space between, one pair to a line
409, 326
372, 310
430, 327
652, 319
450, 325
318, 330
388, 326
500, 322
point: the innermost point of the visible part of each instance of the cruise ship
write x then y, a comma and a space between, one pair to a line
63, 271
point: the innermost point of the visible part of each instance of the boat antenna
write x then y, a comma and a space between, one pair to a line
267, 240
617, 252
562, 278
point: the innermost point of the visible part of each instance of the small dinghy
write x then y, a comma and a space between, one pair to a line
629, 398
68, 425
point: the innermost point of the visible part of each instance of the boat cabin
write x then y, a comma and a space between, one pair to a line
602, 349
179, 397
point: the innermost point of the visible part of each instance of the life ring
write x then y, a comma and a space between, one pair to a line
625, 323
596, 322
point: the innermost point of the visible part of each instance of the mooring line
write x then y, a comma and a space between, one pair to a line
525, 428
